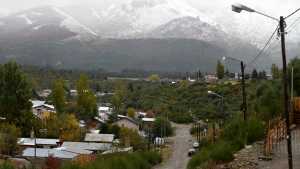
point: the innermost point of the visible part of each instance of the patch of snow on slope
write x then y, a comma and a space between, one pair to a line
72, 20
28, 21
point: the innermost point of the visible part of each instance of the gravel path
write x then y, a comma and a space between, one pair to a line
182, 142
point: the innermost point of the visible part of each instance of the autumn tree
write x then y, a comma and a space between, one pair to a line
86, 100
131, 112
15, 94
58, 96
220, 70
154, 78
69, 126
129, 137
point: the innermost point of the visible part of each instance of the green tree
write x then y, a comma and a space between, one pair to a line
295, 64
129, 137
162, 127
9, 135
86, 100
119, 97
15, 93
275, 71
220, 70
58, 96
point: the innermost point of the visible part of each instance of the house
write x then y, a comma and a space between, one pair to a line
41, 109
94, 147
104, 112
99, 138
124, 121
147, 123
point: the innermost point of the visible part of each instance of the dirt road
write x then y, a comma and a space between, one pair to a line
182, 142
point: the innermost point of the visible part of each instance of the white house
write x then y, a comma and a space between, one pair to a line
104, 112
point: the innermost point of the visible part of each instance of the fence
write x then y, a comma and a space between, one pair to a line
276, 132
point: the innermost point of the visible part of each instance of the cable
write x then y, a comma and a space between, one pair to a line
265, 47
292, 13
293, 25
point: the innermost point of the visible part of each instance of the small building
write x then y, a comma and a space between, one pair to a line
38, 142
99, 138
125, 121
41, 109
104, 112
45, 93
211, 78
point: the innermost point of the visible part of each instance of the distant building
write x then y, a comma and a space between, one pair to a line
127, 122
210, 78
99, 138
41, 109
45, 93
73, 93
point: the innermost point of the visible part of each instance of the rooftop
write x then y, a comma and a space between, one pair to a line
105, 138
44, 153
39, 141
87, 146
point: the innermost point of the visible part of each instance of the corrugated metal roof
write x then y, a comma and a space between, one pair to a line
44, 153
105, 138
39, 141
87, 146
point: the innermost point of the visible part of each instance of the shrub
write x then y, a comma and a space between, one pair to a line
136, 160
6, 165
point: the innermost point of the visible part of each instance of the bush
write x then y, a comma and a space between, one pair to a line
181, 118
234, 136
162, 124
136, 160
6, 165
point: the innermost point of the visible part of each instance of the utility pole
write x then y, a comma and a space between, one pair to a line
282, 25
244, 106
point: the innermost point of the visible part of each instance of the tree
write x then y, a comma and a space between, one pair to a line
86, 100
129, 137
131, 112
220, 70
15, 93
70, 130
58, 96
9, 135
254, 74
275, 71
154, 78
295, 64
119, 97
262, 75
162, 127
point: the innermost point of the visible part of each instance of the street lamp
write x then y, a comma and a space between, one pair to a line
244, 105
282, 24
222, 111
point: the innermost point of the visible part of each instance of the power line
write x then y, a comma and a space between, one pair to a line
266, 46
292, 13
293, 25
